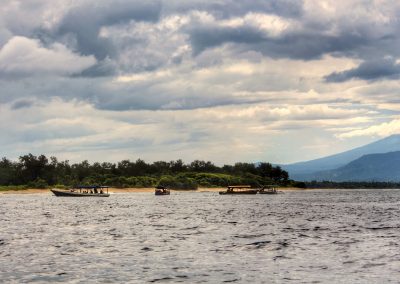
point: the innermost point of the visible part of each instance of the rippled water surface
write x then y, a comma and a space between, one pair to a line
322, 236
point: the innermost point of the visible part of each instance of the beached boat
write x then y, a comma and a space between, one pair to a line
239, 189
160, 190
82, 191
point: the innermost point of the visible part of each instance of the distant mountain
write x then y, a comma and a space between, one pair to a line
372, 167
307, 170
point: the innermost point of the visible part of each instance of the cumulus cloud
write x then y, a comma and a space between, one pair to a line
114, 32
206, 32
200, 71
284, 38
22, 56
321, 29
80, 27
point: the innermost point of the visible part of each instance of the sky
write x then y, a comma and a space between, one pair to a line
228, 81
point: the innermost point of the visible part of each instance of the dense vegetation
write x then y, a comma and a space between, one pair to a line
41, 172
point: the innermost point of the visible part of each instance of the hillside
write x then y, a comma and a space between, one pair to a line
306, 170
372, 167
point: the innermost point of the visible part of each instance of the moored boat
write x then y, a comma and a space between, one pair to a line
160, 190
239, 189
82, 191
269, 190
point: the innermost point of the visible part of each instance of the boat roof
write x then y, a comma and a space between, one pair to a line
239, 186
90, 186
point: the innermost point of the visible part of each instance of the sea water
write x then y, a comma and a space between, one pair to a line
319, 236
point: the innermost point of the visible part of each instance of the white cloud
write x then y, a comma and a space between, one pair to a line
22, 56
380, 130
271, 25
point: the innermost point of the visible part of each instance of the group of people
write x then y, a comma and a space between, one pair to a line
94, 190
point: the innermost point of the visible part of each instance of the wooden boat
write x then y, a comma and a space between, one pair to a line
82, 191
160, 190
239, 189
269, 190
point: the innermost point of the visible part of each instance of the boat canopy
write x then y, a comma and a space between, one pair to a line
239, 186
90, 186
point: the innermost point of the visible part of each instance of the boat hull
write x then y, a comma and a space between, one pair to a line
161, 192
238, 192
64, 193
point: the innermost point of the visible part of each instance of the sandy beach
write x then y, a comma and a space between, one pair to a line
26, 191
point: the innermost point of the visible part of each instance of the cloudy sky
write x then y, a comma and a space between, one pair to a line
220, 80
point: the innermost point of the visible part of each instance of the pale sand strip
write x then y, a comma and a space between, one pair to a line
26, 191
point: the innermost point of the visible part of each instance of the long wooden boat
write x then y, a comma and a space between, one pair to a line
82, 191
239, 189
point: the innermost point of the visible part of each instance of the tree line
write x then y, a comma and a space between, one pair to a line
41, 172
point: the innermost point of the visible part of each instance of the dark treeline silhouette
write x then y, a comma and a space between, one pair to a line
40, 172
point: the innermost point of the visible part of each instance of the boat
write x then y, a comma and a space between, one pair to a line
271, 189
160, 190
82, 191
239, 189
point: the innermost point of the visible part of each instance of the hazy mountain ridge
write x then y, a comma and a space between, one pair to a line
372, 167
359, 164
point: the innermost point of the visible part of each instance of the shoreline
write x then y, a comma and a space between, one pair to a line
113, 190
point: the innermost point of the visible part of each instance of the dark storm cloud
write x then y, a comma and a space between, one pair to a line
309, 46
207, 37
368, 70
295, 45
82, 24
305, 38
